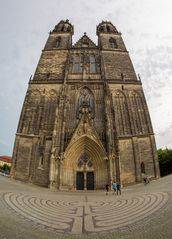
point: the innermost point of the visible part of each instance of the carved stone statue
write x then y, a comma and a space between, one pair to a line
85, 103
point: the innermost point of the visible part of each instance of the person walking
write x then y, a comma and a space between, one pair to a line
114, 187
107, 188
118, 188
146, 179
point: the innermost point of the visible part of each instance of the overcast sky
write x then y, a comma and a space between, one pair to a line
146, 30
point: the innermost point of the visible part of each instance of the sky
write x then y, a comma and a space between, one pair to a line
146, 30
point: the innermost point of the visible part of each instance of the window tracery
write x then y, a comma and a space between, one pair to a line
84, 62
85, 160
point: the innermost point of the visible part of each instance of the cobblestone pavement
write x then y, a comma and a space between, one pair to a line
141, 212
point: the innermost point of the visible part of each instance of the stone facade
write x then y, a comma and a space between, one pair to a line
84, 121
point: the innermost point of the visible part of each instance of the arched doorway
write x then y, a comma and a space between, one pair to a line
85, 173
84, 165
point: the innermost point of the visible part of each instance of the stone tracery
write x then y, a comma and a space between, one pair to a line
85, 103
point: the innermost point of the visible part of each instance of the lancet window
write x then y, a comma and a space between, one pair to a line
92, 64
76, 64
58, 42
113, 43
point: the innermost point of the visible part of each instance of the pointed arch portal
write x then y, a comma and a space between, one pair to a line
90, 173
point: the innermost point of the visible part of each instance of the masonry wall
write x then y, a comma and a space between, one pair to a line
23, 157
117, 64
51, 65
41, 171
39, 109
127, 164
134, 152
146, 155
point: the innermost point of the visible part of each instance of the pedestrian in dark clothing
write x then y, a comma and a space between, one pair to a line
107, 188
118, 188
146, 180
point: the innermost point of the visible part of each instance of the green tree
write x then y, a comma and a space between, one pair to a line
165, 161
6, 168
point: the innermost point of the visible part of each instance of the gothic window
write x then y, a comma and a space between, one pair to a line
122, 113
108, 28
58, 42
92, 64
51, 107
41, 161
85, 103
85, 43
76, 67
32, 113
101, 29
60, 27
69, 29
113, 43
142, 124
85, 160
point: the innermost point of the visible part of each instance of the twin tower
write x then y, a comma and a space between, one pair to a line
84, 121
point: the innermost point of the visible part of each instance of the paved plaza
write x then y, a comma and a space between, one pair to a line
141, 212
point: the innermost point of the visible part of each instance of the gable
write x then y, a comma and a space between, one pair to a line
86, 129
85, 42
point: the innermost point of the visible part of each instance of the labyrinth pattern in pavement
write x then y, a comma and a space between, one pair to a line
86, 217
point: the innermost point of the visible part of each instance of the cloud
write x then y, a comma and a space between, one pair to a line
145, 26
154, 66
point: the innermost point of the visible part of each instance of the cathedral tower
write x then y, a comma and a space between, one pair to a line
84, 121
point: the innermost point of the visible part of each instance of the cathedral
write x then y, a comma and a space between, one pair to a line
84, 121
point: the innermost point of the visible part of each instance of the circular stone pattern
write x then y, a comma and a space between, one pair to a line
86, 217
